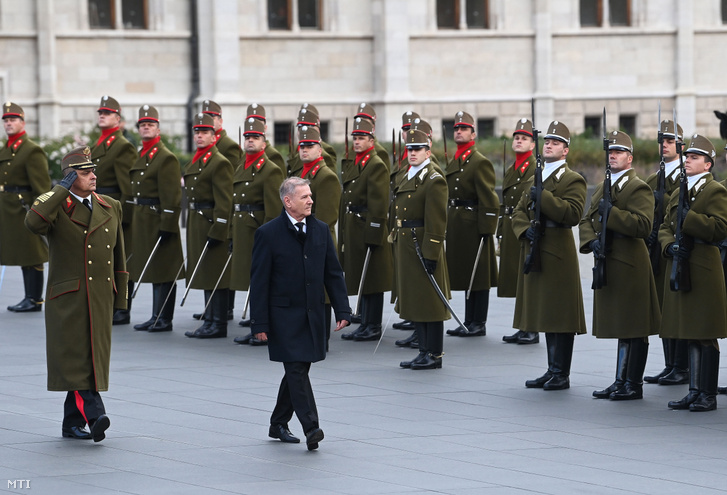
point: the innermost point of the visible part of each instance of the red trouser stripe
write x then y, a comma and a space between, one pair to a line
79, 405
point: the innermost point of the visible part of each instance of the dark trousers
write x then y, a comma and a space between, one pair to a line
82, 407
296, 395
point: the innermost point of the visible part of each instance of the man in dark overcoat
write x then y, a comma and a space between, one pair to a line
293, 261
87, 279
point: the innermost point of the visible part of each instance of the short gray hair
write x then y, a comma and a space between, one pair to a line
287, 188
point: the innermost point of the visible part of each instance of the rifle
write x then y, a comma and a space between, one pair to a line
290, 142
345, 138
655, 246
504, 160
401, 153
393, 145
239, 142
444, 137
680, 279
599, 259
532, 260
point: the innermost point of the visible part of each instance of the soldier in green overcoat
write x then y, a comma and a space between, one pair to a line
363, 224
157, 194
421, 210
627, 306
307, 116
257, 111
699, 314
256, 201
676, 371
208, 184
113, 156
366, 111
224, 143
471, 225
87, 279
550, 300
23, 177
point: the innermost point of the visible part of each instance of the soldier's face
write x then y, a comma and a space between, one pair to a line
108, 120
13, 125
148, 130
417, 155
362, 143
85, 184
554, 150
310, 152
254, 143
522, 143
463, 134
669, 148
695, 164
299, 205
619, 160
203, 138
217, 122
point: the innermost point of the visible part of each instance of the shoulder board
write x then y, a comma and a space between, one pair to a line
560, 173
206, 157
43, 198
622, 182
315, 170
17, 144
434, 175
110, 140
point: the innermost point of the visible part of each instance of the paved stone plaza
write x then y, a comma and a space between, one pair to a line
191, 417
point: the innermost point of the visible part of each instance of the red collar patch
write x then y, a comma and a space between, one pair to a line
17, 144
207, 157
152, 153
110, 140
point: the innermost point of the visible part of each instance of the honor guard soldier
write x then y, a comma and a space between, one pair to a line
157, 196
23, 177
257, 112
224, 143
512, 189
698, 315
550, 300
87, 279
363, 226
208, 184
627, 306
471, 225
676, 370
256, 201
324, 185
366, 111
113, 156
307, 116
421, 223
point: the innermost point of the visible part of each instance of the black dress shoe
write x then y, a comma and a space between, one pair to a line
428, 362
628, 392
146, 325
411, 341
283, 434
372, 332
512, 339
684, 402
675, 377
77, 432
213, 332
161, 326
194, 334
99, 427
407, 364
703, 403
455, 332
244, 323
557, 382
529, 338
404, 325
27, 305
655, 378
121, 317
243, 339
606, 392
313, 437
476, 329
352, 335
539, 382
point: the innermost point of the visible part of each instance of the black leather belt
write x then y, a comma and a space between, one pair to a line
356, 209
463, 202
15, 189
555, 225
108, 190
145, 201
201, 206
241, 207
700, 241
409, 223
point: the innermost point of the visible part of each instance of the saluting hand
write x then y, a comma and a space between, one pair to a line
69, 179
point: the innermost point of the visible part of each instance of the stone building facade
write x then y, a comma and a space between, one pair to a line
487, 57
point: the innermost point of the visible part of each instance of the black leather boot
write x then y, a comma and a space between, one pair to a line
550, 346
679, 373
435, 343
561, 362
668, 345
479, 303
528, 338
399, 325
709, 375
695, 359
420, 331
362, 327
622, 354
33, 284
207, 317
154, 310
411, 341
633, 388
468, 312
512, 339
218, 328
374, 311
161, 291
123, 316
231, 304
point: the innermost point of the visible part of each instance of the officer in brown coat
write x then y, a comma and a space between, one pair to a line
513, 183
627, 306
113, 156
87, 279
551, 300
23, 177
363, 231
157, 195
471, 225
208, 184
698, 314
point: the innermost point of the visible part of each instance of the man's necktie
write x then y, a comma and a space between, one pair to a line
301, 232
87, 203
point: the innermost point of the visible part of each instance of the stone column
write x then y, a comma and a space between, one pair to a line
542, 88
219, 50
684, 93
48, 107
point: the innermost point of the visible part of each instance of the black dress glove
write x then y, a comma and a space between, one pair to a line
68, 180
213, 242
595, 246
430, 265
165, 235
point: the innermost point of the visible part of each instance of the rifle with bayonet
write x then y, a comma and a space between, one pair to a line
604, 208
680, 279
653, 240
345, 138
532, 259
444, 137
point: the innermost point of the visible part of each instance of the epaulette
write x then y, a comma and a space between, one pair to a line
434, 175
43, 198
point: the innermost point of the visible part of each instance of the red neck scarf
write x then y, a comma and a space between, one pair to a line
249, 159
106, 133
307, 167
12, 139
461, 148
362, 155
521, 161
201, 152
147, 145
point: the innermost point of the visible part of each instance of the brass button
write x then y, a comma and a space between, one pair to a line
90, 262
90, 278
